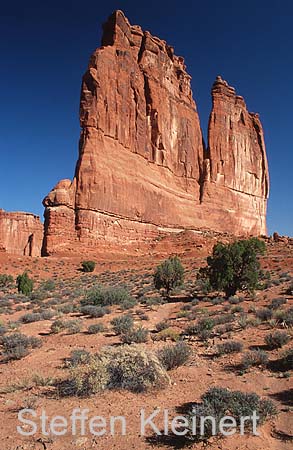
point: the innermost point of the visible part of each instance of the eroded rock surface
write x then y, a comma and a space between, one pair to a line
20, 233
142, 164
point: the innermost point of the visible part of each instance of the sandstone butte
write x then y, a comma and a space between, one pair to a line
143, 167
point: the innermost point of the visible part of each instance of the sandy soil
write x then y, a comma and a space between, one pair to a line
188, 383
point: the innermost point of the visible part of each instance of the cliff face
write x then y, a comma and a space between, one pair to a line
236, 172
142, 166
20, 233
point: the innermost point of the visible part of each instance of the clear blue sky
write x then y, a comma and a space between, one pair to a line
45, 47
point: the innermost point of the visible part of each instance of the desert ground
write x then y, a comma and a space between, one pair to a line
59, 286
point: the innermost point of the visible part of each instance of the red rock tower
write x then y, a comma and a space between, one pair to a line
142, 166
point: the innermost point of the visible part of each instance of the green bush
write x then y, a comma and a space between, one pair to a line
169, 275
234, 267
88, 266
229, 347
277, 339
172, 356
121, 324
24, 284
6, 280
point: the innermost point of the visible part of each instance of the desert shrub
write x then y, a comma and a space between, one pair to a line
57, 326
31, 317
204, 335
121, 324
194, 302
106, 296
3, 329
237, 309
226, 328
128, 367
223, 319
135, 336
24, 284
47, 285
277, 302
289, 290
182, 313
169, 275
135, 369
254, 358
38, 296
96, 328
243, 321
191, 330
153, 301
88, 379
47, 314
17, 345
94, 311
66, 308
217, 301
234, 300
234, 267
78, 357
88, 266
264, 314
206, 323
128, 304
167, 333
277, 339
162, 325
73, 326
172, 356
6, 280
219, 402
229, 347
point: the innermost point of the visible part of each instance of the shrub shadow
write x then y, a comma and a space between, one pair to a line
284, 397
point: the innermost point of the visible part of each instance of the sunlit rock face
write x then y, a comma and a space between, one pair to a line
20, 233
142, 164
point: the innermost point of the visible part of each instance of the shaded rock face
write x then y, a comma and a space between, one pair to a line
142, 165
20, 233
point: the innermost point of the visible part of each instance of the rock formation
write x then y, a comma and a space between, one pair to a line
20, 233
142, 164
236, 183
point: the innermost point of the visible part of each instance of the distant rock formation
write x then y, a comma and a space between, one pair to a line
20, 233
142, 163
